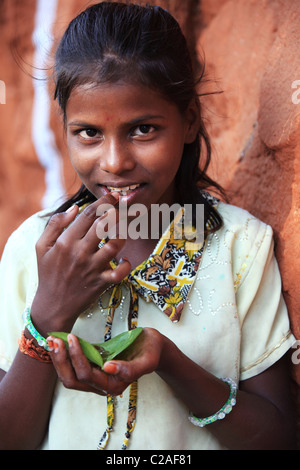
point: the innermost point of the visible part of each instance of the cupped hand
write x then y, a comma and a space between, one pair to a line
76, 372
72, 270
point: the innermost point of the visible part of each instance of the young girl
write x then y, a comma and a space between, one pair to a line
208, 370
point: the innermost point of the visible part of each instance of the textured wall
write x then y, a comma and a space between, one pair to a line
252, 55
251, 49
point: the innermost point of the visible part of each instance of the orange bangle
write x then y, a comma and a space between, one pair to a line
28, 347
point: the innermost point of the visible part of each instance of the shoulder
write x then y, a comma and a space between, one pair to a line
243, 240
32, 228
236, 218
240, 225
24, 238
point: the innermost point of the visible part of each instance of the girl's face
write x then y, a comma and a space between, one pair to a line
127, 138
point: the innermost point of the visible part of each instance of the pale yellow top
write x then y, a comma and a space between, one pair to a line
234, 325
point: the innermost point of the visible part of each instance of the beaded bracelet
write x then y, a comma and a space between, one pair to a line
225, 410
28, 324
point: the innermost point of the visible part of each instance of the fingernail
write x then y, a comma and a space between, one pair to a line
116, 195
50, 344
56, 346
70, 208
111, 367
70, 341
123, 259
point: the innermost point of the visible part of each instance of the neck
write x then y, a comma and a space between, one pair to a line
137, 251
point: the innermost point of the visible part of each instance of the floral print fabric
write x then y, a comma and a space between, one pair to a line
167, 276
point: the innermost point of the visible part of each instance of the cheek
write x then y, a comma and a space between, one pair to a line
168, 162
164, 157
80, 162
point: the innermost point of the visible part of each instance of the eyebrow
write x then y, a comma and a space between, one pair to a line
138, 120
80, 124
146, 117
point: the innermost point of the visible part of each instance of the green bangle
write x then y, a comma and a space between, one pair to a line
225, 410
29, 325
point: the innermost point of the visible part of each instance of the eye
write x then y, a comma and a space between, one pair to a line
143, 130
88, 133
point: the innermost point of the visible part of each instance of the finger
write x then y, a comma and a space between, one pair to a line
107, 253
85, 372
104, 227
83, 223
122, 370
128, 371
63, 365
143, 359
61, 360
116, 275
93, 377
55, 227
109, 250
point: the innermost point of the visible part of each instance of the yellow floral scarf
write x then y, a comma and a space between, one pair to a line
167, 276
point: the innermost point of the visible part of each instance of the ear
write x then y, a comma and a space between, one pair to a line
192, 117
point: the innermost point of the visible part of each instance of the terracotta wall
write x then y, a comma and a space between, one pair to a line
252, 55
251, 49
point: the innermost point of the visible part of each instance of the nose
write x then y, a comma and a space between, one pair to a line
116, 157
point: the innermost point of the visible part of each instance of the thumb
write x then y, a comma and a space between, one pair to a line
128, 371
119, 368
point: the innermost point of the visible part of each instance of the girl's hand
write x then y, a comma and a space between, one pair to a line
76, 372
72, 270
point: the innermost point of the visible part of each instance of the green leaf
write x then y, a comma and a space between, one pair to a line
92, 353
115, 346
98, 353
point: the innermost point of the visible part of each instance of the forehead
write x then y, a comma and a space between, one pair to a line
121, 98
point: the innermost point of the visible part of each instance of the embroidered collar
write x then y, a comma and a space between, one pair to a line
167, 275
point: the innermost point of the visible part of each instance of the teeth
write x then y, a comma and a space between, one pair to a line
123, 191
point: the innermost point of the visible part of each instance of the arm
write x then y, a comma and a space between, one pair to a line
68, 259
26, 393
261, 419
263, 416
